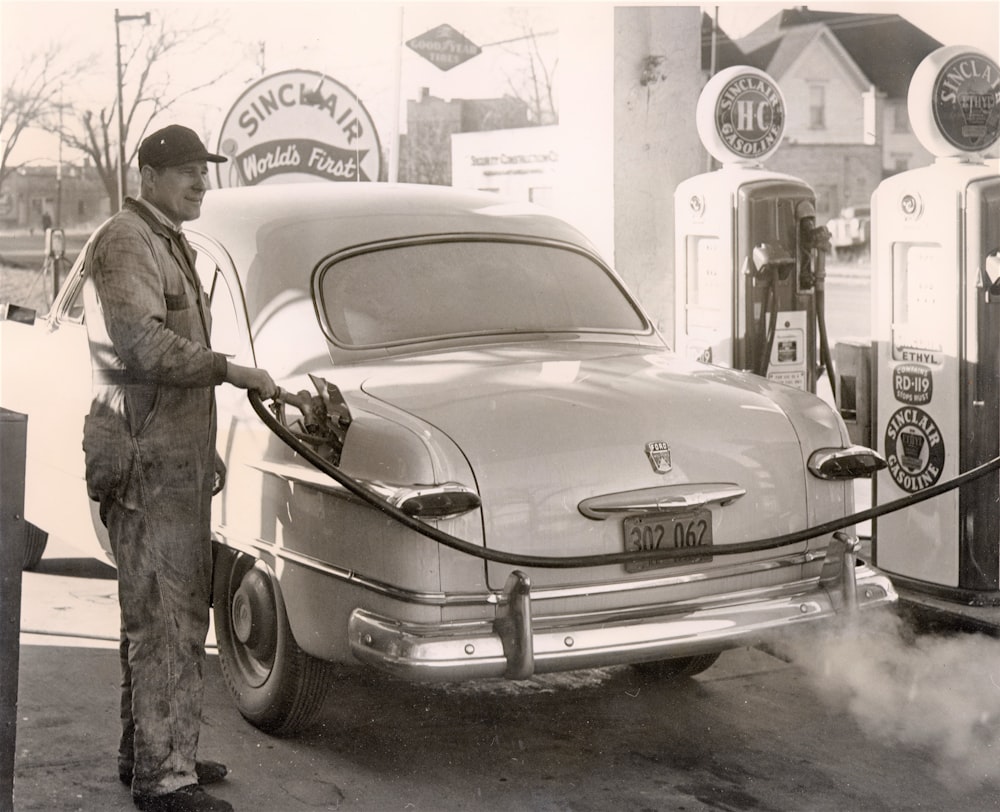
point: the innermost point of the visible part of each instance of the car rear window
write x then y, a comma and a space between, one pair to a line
421, 291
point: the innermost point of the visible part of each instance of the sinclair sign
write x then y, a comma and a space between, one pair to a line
298, 125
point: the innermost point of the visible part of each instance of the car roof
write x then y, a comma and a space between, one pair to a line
278, 235
351, 214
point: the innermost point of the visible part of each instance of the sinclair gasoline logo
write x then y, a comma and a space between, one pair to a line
965, 102
750, 116
298, 125
914, 449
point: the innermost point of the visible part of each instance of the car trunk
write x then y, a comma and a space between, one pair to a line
545, 428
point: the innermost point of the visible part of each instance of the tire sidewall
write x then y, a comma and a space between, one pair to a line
267, 705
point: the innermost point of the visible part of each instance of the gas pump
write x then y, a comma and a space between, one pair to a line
936, 336
749, 256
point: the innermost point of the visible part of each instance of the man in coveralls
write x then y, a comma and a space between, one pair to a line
151, 463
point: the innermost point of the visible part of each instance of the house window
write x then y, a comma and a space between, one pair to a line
817, 107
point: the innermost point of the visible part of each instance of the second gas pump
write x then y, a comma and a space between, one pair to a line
936, 339
749, 256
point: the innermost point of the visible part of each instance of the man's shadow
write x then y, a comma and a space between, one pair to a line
76, 568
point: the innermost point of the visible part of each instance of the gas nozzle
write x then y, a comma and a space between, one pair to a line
767, 258
324, 417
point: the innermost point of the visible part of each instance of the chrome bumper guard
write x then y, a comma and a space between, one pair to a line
516, 645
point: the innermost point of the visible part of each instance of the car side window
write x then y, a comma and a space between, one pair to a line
73, 311
67, 307
225, 323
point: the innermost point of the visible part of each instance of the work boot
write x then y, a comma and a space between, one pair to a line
208, 772
191, 798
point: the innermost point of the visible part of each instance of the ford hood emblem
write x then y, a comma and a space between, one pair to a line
659, 456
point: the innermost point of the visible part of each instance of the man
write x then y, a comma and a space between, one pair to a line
151, 463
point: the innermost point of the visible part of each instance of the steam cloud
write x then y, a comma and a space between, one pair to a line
940, 694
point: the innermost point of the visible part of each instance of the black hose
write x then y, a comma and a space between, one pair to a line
772, 330
766, 328
824, 342
568, 562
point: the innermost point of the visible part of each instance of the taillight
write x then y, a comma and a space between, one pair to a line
854, 462
435, 501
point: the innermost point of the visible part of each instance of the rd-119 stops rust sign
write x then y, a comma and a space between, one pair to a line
298, 125
444, 47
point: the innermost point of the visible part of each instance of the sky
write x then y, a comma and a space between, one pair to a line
354, 43
952, 23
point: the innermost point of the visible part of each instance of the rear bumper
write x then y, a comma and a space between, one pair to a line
516, 645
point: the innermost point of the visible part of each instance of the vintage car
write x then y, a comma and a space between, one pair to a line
513, 472
850, 232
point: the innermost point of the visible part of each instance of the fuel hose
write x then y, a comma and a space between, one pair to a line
820, 240
766, 328
364, 493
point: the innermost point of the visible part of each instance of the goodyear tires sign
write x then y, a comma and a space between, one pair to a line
444, 47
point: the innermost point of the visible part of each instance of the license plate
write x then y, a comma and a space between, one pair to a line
683, 530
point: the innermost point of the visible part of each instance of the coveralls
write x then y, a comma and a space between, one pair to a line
149, 443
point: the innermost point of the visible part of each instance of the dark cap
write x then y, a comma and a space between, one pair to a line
173, 146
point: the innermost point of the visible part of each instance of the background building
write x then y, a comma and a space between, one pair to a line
845, 78
425, 153
74, 197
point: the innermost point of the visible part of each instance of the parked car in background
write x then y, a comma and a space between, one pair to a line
850, 232
499, 385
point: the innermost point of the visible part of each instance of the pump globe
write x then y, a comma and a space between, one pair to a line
741, 115
953, 104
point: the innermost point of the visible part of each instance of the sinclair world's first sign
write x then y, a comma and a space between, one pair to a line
298, 125
444, 47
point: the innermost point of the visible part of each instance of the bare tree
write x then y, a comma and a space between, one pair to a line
534, 81
426, 153
148, 90
31, 99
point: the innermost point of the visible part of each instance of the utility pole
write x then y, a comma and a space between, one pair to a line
59, 165
122, 177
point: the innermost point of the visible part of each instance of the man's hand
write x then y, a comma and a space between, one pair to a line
220, 475
252, 378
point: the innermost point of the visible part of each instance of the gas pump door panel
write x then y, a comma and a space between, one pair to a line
708, 310
923, 328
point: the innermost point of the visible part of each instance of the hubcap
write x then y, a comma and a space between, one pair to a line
254, 616
242, 616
